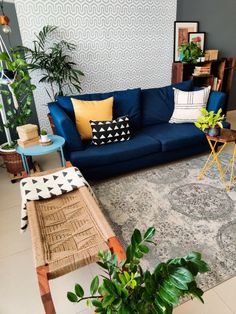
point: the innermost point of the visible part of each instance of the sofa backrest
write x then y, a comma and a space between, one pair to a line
126, 102
157, 104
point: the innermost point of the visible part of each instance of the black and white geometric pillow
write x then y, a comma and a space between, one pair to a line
105, 132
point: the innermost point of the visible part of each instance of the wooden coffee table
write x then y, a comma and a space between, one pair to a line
227, 136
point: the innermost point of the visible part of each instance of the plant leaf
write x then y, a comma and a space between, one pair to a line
94, 285
72, 297
79, 291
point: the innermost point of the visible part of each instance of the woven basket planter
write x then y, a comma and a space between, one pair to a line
13, 161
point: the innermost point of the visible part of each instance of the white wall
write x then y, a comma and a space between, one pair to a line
120, 43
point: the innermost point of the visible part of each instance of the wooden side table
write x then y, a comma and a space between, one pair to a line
226, 137
36, 150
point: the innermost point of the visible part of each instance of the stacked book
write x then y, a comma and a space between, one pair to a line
201, 71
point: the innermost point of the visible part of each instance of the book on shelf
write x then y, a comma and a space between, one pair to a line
201, 70
216, 84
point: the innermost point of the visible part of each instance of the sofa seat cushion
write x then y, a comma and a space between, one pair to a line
175, 136
138, 146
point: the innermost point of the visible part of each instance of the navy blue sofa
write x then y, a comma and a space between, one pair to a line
154, 140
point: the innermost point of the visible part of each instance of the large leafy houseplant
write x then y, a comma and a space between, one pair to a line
17, 91
128, 289
210, 122
190, 52
54, 62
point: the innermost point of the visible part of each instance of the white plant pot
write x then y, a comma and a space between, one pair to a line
6, 150
44, 138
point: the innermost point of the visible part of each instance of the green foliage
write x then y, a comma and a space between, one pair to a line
19, 93
54, 62
191, 52
127, 289
209, 119
43, 132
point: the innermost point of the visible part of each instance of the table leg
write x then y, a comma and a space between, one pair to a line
62, 157
25, 163
213, 157
231, 163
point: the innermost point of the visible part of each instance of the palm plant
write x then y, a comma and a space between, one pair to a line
127, 289
54, 62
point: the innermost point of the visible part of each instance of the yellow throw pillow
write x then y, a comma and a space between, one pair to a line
85, 111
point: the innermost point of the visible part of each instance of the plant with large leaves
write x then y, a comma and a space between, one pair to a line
54, 62
16, 89
127, 289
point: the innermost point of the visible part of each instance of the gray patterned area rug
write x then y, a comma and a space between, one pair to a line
189, 215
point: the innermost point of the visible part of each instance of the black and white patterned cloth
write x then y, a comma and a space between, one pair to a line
105, 132
47, 186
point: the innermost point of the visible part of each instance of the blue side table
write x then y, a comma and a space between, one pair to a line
36, 150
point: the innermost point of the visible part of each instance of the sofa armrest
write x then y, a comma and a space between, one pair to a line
216, 101
65, 127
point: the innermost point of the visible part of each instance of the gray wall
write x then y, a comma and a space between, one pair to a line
12, 40
218, 19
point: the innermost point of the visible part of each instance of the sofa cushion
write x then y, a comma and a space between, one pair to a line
157, 104
91, 110
175, 136
126, 103
106, 132
138, 146
188, 105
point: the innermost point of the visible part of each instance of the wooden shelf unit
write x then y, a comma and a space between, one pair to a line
223, 69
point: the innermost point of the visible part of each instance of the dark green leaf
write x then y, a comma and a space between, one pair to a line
149, 233
79, 291
72, 297
94, 285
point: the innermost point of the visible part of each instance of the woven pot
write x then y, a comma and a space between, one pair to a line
13, 161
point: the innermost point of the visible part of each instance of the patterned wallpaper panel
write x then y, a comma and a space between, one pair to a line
120, 43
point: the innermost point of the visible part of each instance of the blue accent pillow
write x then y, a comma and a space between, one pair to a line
126, 103
158, 103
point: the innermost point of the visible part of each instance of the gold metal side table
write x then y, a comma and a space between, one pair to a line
226, 137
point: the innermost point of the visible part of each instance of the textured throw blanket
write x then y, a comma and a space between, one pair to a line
47, 186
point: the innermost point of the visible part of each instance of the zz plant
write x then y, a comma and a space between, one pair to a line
125, 288
54, 62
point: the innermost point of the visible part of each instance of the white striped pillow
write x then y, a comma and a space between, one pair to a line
188, 104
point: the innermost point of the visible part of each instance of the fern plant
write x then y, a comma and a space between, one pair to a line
54, 62
125, 288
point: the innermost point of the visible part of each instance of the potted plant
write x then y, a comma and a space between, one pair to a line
54, 63
190, 52
44, 135
210, 122
17, 92
126, 288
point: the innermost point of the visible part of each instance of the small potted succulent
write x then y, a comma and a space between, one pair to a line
44, 136
190, 52
126, 288
210, 122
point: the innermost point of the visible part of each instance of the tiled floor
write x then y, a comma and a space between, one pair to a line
18, 286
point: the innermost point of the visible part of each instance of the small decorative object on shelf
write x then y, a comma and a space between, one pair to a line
210, 122
126, 288
211, 55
